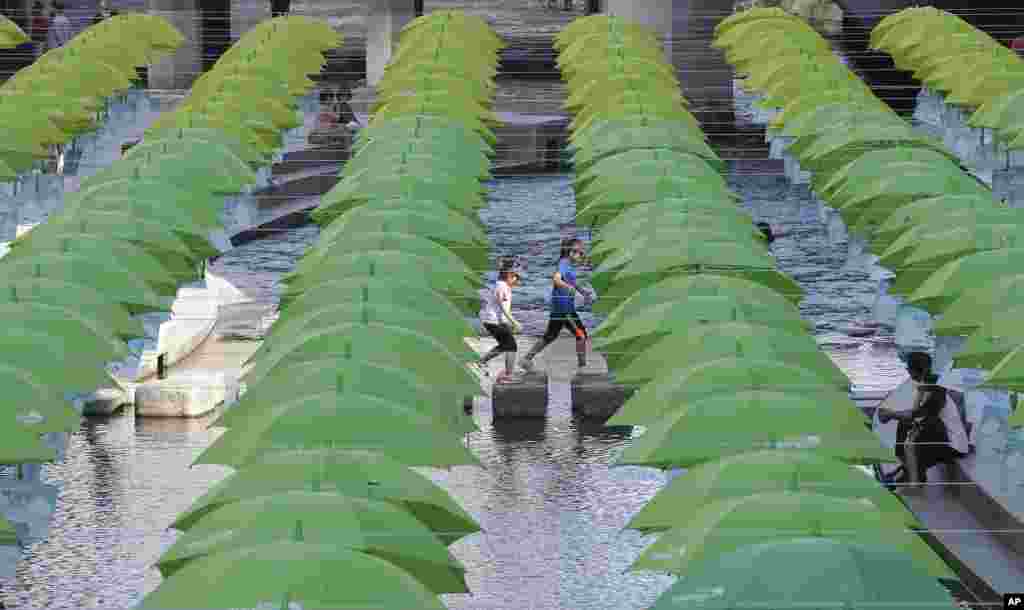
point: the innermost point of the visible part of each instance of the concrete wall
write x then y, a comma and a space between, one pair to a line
384, 22
177, 71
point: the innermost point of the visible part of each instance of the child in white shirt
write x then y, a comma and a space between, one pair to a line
496, 316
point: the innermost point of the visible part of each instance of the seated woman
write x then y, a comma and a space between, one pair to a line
923, 439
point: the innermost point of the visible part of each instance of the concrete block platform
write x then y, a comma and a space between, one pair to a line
527, 397
596, 395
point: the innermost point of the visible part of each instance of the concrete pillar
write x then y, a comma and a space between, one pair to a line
687, 29
177, 71
245, 14
384, 22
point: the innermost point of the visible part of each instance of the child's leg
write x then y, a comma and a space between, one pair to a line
580, 332
554, 327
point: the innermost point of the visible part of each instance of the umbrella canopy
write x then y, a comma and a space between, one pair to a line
36, 405
721, 376
317, 376
86, 301
373, 527
372, 342
449, 277
725, 526
347, 472
283, 572
20, 445
972, 310
402, 291
720, 340
698, 430
997, 335
767, 471
775, 573
930, 212
645, 327
961, 276
43, 353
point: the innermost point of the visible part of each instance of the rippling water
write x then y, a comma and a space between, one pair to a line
550, 505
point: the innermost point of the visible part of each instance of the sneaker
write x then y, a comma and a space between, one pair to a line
479, 369
526, 365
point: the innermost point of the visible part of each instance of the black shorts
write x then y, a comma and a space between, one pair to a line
501, 332
569, 321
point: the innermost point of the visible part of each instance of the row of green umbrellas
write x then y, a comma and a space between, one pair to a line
121, 246
360, 379
731, 385
964, 63
953, 247
61, 94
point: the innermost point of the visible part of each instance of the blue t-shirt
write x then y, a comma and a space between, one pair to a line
562, 301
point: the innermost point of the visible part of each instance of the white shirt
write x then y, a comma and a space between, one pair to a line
492, 309
902, 399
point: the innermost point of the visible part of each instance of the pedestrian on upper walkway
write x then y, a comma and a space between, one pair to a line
60, 31
563, 305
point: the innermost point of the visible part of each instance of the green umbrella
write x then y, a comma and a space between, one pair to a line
441, 230
962, 276
768, 278
606, 209
972, 310
723, 376
46, 355
934, 248
114, 255
883, 162
78, 331
343, 418
651, 189
609, 138
645, 327
996, 336
773, 470
434, 129
285, 572
221, 177
18, 445
648, 163
348, 472
652, 230
204, 205
775, 574
197, 138
365, 290
351, 288
153, 207
373, 342
445, 329
36, 405
399, 385
697, 430
455, 159
926, 214
153, 237
127, 288
1008, 374
641, 218
681, 288
887, 194
724, 526
445, 276
88, 302
344, 196
660, 256
369, 526
718, 340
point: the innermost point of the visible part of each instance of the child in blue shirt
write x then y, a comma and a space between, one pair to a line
563, 305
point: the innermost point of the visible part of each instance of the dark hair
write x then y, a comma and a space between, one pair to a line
58, 6
567, 245
506, 268
919, 362
767, 230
